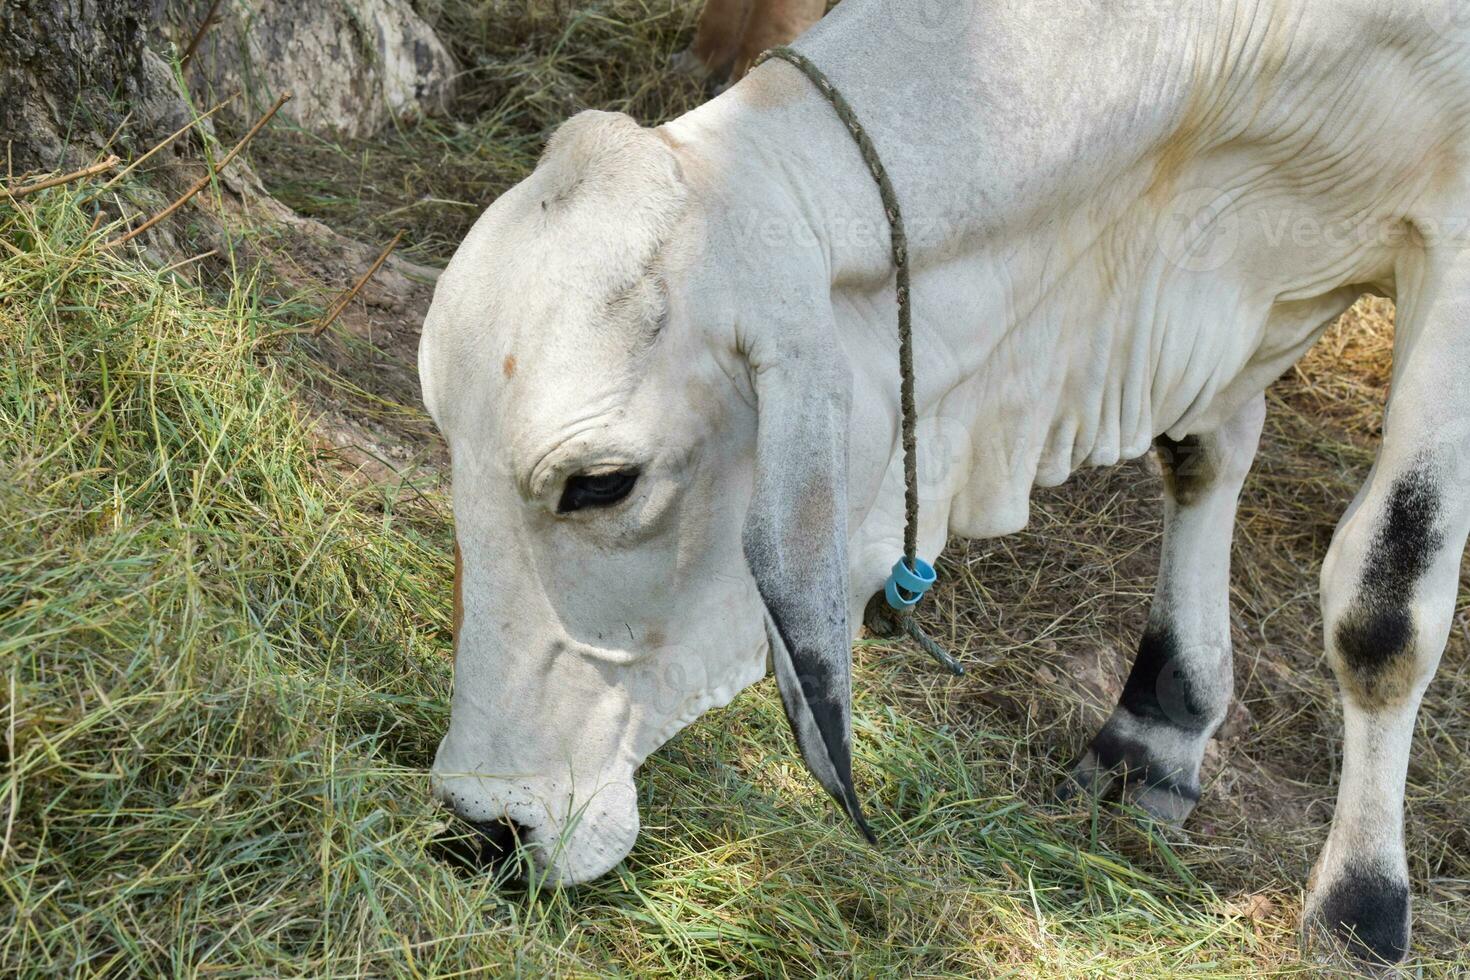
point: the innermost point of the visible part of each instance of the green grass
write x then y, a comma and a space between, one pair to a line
224, 657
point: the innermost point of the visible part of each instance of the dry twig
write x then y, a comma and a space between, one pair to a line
41, 185
209, 21
164, 142
202, 182
335, 310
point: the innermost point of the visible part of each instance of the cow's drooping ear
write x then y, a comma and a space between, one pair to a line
795, 541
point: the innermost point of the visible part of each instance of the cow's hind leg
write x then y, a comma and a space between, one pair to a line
733, 33
773, 23
717, 40
1388, 597
1180, 686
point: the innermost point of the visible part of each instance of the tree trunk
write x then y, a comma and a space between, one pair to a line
71, 72
81, 76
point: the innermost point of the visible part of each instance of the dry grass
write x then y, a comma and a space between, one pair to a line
226, 664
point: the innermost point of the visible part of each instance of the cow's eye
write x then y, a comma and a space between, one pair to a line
600, 490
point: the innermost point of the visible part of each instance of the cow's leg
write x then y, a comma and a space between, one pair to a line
1180, 686
773, 23
717, 39
1388, 598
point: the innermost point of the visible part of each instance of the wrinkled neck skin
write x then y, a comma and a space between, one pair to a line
1063, 317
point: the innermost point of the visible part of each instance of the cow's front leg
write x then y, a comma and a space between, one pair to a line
1180, 687
1389, 586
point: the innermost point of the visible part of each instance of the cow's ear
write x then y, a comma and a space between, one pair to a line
795, 542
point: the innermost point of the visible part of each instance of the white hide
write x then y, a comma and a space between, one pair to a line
1125, 218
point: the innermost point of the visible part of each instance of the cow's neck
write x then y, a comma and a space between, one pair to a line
1051, 329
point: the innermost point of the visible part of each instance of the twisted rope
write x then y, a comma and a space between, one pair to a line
908, 412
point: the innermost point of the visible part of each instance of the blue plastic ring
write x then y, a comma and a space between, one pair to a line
898, 601
906, 586
917, 579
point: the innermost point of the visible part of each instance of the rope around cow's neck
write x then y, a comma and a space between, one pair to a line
911, 576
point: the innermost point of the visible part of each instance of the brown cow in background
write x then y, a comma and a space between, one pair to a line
733, 33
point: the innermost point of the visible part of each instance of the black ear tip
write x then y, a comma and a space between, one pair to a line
855, 811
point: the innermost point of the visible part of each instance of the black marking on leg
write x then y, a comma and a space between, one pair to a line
1159, 690
1135, 760
1369, 910
1409, 537
1189, 469
1370, 640
1375, 637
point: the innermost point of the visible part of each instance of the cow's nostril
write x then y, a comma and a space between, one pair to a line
500, 836
479, 847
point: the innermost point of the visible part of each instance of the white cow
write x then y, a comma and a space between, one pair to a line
665, 367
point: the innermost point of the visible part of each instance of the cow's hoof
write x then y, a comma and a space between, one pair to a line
1167, 804
1363, 912
1086, 779
686, 62
1104, 771
714, 78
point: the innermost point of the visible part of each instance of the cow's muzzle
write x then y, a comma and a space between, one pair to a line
479, 848
564, 835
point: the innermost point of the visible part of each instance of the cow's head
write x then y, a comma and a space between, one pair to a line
649, 482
